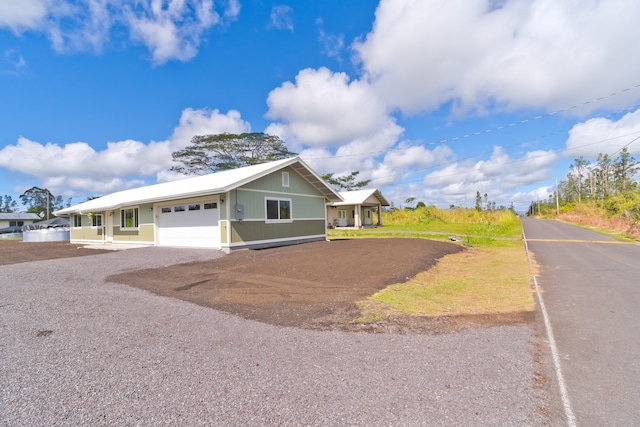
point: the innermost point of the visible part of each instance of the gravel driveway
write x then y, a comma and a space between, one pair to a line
75, 350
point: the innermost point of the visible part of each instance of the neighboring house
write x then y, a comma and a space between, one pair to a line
17, 219
357, 208
271, 204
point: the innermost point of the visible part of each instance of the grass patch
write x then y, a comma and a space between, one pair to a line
492, 277
475, 228
487, 280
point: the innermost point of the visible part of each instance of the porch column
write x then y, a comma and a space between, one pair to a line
357, 216
379, 215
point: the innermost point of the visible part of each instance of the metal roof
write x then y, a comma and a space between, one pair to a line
19, 215
358, 197
219, 182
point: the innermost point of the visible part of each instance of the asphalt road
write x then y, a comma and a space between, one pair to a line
590, 285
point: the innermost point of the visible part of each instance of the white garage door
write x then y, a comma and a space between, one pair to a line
189, 224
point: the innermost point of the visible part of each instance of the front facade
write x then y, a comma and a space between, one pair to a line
358, 209
272, 204
17, 219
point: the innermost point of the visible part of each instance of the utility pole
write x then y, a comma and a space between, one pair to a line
557, 199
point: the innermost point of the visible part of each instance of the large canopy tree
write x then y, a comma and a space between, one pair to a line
40, 201
346, 182
214, 153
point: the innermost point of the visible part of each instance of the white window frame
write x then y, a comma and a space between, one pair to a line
136, 218
94, 220
77, 221
277, 220
285, 179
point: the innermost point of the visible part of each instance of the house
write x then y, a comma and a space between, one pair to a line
17, 219
270, 204
356, 209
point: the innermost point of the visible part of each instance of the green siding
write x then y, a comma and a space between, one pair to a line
249, 231
144, 233
306, 201
86, 233
223, 232
302, 207
273, 182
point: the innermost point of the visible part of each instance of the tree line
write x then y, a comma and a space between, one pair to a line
605, 181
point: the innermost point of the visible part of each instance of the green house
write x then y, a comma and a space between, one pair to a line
270, 204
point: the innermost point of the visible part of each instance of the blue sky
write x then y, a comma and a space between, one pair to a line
429, 99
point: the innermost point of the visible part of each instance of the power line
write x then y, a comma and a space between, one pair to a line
547, 154
497, 128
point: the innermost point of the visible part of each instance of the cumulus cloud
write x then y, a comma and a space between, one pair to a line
170, 29
77, 167
478, 55
19, 16
606, 136
457, 182
324, 108
282, 17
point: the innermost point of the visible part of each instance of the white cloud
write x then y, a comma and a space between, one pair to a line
457, 183
170, 29
22, 15
602, 135
77, 167
476, 54
323, 108
282, 17
332, 44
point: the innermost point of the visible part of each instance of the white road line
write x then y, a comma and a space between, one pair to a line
571, 418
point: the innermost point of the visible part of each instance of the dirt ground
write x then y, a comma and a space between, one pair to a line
313, 285
17, 251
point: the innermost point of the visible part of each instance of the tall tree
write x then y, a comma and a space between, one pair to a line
346, 182
579, 168
40, 201
604, 172
478, 201
624, 169
213, 153
7, 204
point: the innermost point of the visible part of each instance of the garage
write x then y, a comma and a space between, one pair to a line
189, 224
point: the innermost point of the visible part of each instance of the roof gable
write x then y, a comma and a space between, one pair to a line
358, 197
219, 182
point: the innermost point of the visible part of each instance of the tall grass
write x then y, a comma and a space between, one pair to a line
471, 222
477, 228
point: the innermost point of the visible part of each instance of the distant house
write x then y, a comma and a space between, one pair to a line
17, 219
356, 209
271, 204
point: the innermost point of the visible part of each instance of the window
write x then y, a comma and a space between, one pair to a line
165, 210
212, 205
278, 210
129, 218
77, 221
16, 223
178, 209
194, 207
285, 179
96, 220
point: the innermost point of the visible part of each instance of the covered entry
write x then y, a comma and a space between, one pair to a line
191, 223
